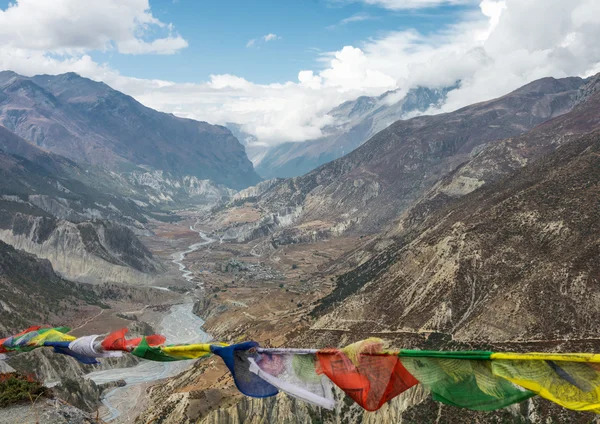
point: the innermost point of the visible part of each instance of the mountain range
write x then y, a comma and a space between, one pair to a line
476, 228
46, 208
354, 123
367, 189
84, 167
89, 122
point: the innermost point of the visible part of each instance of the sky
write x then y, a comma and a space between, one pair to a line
277, 67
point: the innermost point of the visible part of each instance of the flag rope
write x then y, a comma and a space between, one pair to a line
367, 373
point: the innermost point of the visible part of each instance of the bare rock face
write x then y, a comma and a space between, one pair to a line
87, 234
164, 188
89, 122
50, 411
89, 251
254, 191
589, 89
31, 292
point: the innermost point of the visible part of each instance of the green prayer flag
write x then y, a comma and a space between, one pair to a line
144, 350
465, 383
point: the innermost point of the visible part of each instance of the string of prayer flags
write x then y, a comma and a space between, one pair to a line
371, 376
63, 348
34, 339
117, 341
30, 329
573, 385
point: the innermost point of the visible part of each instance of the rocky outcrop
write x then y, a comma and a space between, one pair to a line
161, 187
47, 411
588, 90
285, 409
32, 293
266, 225
90, 251
254, 191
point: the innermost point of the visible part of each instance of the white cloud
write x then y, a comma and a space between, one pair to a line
69, 26
412, 4
264, 39
358, 17
492, 51
270, 37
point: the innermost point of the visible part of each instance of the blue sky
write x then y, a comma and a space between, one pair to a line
218, 31
191, 57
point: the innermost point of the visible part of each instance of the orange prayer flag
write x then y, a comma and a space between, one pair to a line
369, 379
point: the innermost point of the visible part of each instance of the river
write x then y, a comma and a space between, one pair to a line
179, 326
180, 256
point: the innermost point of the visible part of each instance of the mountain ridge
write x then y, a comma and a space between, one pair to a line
356, 121
90, 122
367, 189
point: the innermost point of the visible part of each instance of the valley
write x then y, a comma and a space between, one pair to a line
424, 276
422, 236
239, 295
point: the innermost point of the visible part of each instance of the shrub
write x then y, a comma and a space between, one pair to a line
15, 388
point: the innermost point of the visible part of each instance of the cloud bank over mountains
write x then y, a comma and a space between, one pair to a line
492, 49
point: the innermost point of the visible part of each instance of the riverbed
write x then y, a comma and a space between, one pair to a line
179, 326
180, 256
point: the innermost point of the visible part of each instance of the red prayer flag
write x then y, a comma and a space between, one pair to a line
371, 382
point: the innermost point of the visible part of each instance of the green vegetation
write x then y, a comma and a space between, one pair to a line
16, 388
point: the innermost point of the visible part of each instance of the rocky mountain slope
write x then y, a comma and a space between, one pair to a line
370, 187
355, 122
86, 233
31, 292
89, 122
500, 158
60, 186
91, 251
522, 249
49, 411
